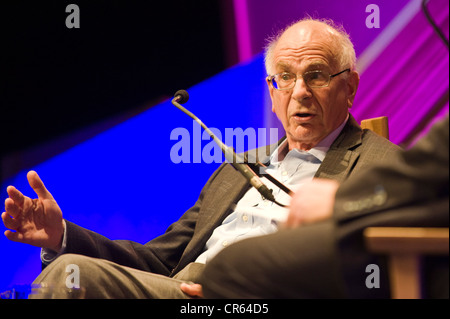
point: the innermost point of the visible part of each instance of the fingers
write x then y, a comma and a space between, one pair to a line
293, 221
312, 202
38, 186
193, 290
12, 209
10, 222
13, 236
15, 195
10, 216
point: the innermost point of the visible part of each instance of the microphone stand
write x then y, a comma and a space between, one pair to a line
263, 168
182, 96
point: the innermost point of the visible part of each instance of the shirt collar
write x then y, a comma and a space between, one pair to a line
319, 151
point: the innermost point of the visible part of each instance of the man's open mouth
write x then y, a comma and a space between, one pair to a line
303, 114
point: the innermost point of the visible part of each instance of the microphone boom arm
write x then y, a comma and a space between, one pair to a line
231, 156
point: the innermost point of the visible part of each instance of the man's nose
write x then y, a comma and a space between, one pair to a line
301, 91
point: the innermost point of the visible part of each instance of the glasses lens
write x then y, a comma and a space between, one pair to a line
316, 78
274, 83
283, 81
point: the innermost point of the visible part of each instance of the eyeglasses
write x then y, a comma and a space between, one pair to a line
313, 79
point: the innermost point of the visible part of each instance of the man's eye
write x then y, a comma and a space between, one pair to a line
315, 78
314, 75
286, 77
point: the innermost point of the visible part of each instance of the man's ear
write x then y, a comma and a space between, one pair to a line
352, 85
271, 89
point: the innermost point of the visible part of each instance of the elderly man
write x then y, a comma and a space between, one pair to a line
312, 83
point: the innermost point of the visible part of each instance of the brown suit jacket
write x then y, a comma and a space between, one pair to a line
353, 151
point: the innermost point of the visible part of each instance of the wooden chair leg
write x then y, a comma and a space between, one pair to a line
405, 275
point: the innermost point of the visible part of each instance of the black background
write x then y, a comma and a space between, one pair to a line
54, 80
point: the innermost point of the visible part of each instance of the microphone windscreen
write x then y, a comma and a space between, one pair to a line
183, 96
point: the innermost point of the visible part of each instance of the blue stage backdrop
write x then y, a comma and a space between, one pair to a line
124, 183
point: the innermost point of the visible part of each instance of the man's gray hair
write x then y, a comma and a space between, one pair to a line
345, 55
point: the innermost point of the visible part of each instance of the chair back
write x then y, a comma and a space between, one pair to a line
377, 124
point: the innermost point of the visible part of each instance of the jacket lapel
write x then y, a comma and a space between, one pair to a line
341, 156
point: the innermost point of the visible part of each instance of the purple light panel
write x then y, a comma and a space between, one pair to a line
409, 80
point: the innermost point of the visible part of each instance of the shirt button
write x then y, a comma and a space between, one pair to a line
245, 218
225, 243
284, 173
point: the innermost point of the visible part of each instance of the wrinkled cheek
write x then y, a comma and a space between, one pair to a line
282, 117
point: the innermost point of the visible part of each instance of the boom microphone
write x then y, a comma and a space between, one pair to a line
234, 159
181, 96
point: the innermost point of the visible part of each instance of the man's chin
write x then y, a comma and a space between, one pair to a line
302, 142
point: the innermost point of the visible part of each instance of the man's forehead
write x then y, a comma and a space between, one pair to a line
310, 42
308, 27
311, 64
307, 33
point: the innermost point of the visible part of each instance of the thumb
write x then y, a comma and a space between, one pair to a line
38, 186
193, 290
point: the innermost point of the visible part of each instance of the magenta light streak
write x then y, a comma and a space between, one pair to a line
408, 79
242, 30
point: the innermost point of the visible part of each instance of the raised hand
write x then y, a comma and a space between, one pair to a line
37, 222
